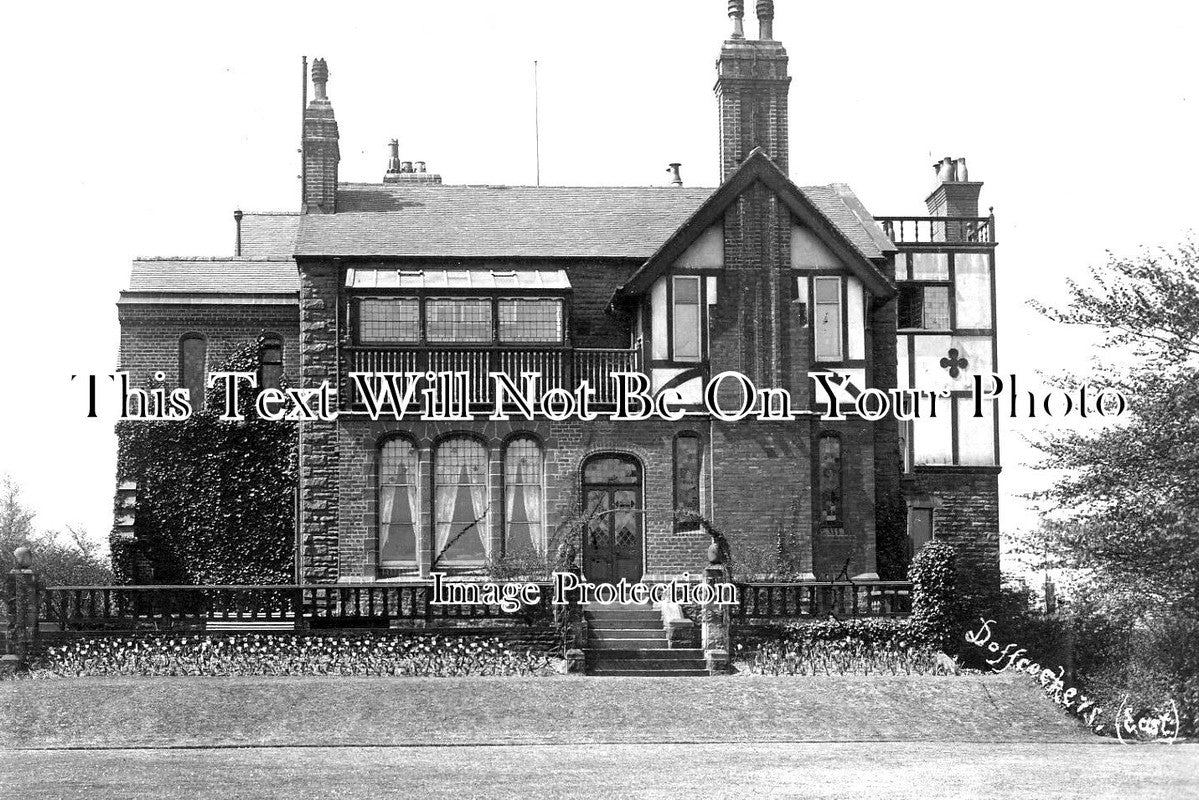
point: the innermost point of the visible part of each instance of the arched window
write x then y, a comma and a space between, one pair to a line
399, 502
193, 354
460, 519
687, 459
524, 524
270, 368
831, 496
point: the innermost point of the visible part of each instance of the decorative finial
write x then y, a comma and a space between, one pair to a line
765, 12
737, 14
320, 76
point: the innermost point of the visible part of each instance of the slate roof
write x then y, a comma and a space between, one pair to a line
215, 275
495, 221
268, 234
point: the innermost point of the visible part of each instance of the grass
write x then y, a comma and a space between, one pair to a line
824, 770
316, 711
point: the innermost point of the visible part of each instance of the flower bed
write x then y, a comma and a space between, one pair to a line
256, 654
846, 657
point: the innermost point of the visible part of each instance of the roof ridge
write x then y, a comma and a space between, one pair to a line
281, 258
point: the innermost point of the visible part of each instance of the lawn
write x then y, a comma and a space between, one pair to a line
892, 770
318, 711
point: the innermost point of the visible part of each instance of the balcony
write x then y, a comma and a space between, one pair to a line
558, 367
939, 230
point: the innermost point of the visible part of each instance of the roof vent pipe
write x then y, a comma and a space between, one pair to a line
675, 178
237, 215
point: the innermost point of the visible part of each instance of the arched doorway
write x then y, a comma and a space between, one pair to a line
614, 544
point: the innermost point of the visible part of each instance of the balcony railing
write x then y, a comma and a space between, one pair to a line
558, 368
939, 230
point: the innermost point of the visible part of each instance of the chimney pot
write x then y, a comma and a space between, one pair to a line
405, 166
737, 15
320, 77
393, 161
420, 166
676, 179
765, 13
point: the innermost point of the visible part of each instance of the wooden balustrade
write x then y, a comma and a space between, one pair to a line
939, 230
558, 368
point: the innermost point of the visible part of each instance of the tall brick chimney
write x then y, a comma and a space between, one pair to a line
955, 194
321, 152
751, 91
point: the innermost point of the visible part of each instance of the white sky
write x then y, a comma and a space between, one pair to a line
137, 129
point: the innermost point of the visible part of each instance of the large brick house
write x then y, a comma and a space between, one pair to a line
759, 275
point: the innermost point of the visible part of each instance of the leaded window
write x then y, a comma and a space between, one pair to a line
687, 459
383, 321
458, 320
530, 320
831, 496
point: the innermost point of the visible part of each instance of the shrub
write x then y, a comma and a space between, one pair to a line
843, 657
934, 611
259, 654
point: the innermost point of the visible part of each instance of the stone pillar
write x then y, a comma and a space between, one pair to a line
716, 623
20, 612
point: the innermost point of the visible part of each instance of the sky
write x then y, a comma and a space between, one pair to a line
136, 129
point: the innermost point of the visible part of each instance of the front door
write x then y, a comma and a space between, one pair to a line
613, 546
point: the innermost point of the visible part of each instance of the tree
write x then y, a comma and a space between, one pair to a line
1127, 504
61, 559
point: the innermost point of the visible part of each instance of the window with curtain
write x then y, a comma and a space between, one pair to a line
687, 456
399, 502
686, 318
524, 527
388, 321
460, 519
458, 320
530, 320
831, 497
193, 353
270, 368
826, 308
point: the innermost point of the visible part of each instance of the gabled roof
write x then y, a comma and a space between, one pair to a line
854, 238
265, 235
214, 276
497, 221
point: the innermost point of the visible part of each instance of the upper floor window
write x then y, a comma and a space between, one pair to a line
389, 320
270, 367
399, 502
530, 320
193, 355
831, 497
524, 528
826, 306
686, 318
458, 320
923, 307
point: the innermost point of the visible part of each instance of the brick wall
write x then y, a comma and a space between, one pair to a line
150, 335
967, 518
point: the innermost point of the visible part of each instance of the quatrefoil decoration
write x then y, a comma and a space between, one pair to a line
954, 362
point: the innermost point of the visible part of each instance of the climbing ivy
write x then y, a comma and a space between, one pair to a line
215, 500
933, 574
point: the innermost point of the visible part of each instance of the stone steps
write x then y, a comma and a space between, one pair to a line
630, 641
